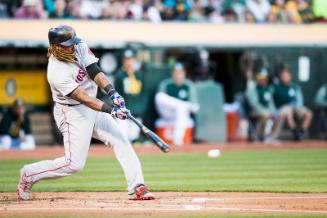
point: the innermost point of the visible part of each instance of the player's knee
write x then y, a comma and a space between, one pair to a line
76, 167
309, 114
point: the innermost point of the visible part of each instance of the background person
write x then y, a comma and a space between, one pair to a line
31, 9
176, 100
130, 84
260, 99
321, 97
289, 101
15, 129
321, 104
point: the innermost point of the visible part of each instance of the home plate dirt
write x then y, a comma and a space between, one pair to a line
117, 203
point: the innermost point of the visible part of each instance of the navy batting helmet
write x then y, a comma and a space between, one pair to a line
63, 35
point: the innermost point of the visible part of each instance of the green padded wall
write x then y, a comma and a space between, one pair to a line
152, 78
210, 120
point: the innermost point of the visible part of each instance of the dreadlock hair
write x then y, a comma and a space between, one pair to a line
60, 53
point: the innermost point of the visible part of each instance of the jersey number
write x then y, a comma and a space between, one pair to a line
80, 76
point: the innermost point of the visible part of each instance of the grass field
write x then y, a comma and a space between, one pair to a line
300, 170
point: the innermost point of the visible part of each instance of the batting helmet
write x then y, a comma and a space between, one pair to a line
63, 35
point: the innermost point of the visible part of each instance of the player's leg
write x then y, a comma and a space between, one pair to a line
263, 116
306, 116
181, 122
76, 125
171, 108
131, 130
108, 131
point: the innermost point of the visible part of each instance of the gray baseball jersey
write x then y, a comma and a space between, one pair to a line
78, 124
65, 77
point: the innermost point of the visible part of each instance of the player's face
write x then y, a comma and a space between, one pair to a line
67, 49
71, 49
179, 76
262, 82
19, 110
129, 64
286, 77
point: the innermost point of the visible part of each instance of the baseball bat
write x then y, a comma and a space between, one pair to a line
150, 135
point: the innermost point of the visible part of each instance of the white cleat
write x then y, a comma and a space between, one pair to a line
24, 187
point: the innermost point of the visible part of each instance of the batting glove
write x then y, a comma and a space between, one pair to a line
120, 113
117, 100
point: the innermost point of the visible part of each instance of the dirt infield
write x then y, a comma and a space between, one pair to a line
167, 203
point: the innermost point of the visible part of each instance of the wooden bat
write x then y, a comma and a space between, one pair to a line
150, 135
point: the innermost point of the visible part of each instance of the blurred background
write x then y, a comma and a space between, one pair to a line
228, 61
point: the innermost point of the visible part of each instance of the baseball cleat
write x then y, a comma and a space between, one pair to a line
24, 187
142, 193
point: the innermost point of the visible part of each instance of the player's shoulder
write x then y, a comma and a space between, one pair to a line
82, 47
189, 82
82, 44
167, 82
58, 70
54, 65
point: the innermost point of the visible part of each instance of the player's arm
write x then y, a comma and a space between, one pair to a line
101, 80
80, 95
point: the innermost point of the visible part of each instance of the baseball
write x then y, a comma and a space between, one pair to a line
214, 153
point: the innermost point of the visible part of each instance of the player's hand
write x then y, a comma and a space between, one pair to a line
120, 113
117, 100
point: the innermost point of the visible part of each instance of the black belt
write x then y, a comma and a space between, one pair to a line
69, 105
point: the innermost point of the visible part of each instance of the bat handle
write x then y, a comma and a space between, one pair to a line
131, 117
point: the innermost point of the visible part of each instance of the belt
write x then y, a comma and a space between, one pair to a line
69, 105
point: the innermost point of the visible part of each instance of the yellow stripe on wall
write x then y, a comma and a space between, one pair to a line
32, 86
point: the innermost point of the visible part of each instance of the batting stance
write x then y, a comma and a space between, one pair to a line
74, 76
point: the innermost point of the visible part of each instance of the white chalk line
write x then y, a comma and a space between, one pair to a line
153, 208
256, 198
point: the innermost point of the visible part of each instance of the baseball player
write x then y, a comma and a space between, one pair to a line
74, 77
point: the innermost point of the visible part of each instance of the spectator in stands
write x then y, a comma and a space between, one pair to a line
229, 16
176, 100
289, 101
92, 9
73, 8
60, 10
197, 12
135, 10
321, 104
176, 10
305, 12
120, 10
151, 13
130, 84
31, 9
15, 130
238, 6
292, 12
4, 10
259, 8
262, 107
277, 12
248, 17
213, 11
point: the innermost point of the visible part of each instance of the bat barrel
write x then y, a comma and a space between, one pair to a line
151, 135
